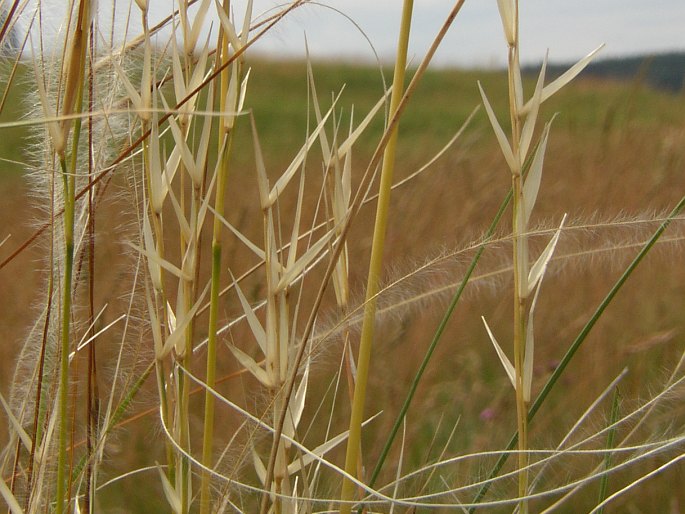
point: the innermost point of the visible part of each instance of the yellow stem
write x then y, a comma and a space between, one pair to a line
520, 255
352, 457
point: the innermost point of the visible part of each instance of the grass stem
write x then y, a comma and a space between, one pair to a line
65, 337
210, 378
353, 456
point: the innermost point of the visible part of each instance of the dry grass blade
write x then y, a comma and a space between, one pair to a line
501, 136
564, 79
506, 363
9, 498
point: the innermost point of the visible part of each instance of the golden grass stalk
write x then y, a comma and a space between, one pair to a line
353, 454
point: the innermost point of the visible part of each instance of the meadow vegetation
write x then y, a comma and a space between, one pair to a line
230, 283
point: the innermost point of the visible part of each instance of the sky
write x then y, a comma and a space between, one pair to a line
353, 29
569, 29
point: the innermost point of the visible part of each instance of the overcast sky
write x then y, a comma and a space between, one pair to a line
569, 29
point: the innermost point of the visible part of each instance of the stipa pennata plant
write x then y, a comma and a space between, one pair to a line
183, 103
525, 187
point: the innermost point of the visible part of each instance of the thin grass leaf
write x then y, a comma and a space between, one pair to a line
298, 402
304, 261
285, 178
537, 270
251, 365
227, 25
565, 78
258, 465
243, 238
16, 425
154, 324
283, 334
243, 90
262, 179
529, 351
346, 182
255, 324
171, 317
323, 139
196, 28
531, 118
203, 145
518, 89
176, 67
247, 21
506, 14
297, 405
175, 338
178, 211
182, 145
531, 186
154, 257
321, 450
295, 234
149, 242
9, 498
172, 164
231, 101
506, 363
179, 348
170, 493
157, 190
205, 203
499, 133
347, 145
199, 72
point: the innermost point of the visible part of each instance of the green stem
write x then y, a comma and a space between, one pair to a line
64, 348
352, 457
73, 99
208, 433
